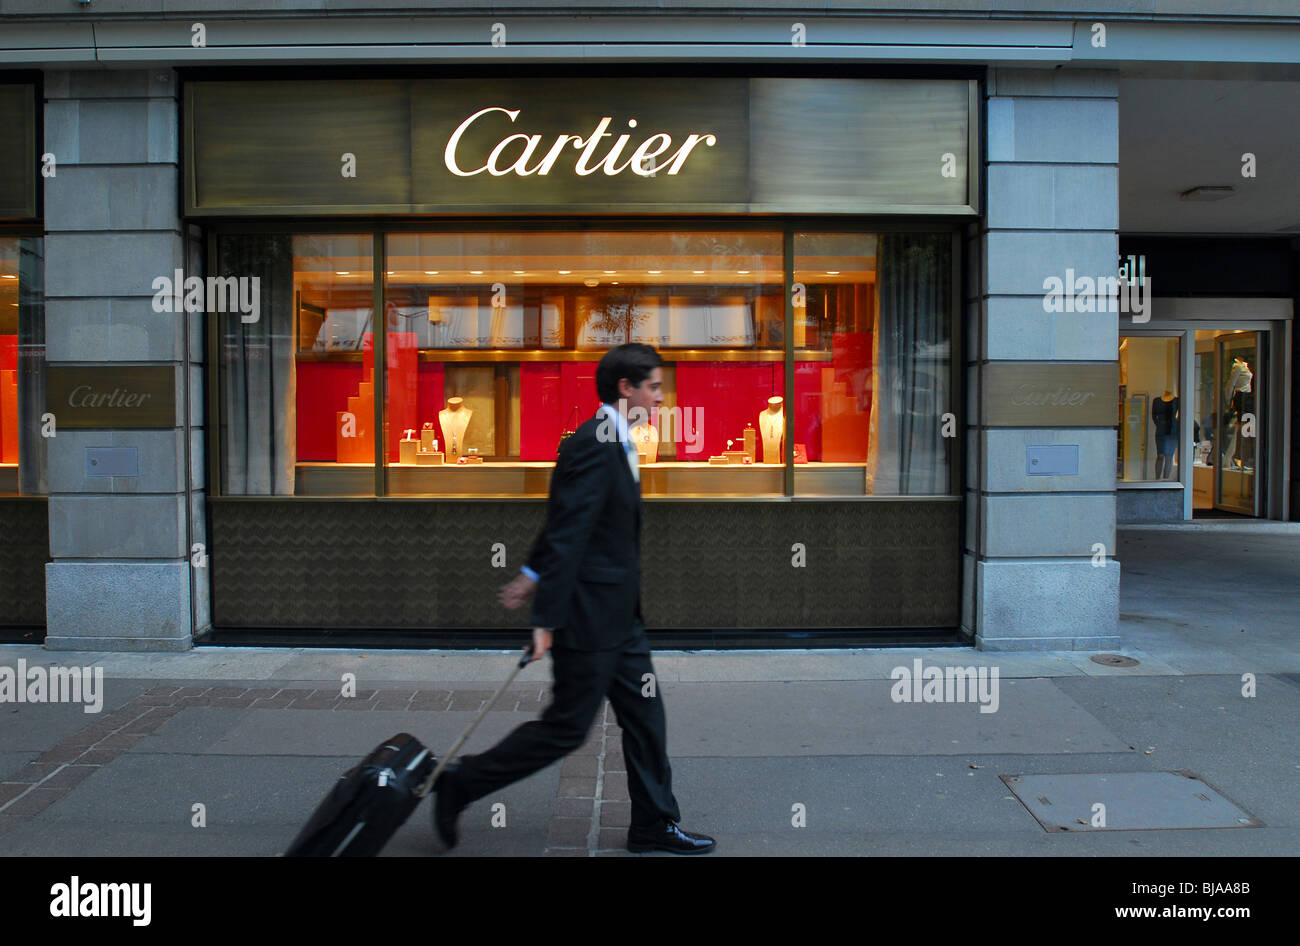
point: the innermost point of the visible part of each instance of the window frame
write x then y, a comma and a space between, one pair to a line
787, 226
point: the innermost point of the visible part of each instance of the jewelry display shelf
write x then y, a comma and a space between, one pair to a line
512, 478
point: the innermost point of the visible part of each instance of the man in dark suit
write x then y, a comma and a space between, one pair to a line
585, 573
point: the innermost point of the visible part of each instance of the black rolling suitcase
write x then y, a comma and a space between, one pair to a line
372, 800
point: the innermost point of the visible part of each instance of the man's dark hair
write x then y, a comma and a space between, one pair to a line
633, 361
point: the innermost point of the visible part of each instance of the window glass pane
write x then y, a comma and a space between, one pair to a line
873, 364
493, 341
1149, 443
296, 383
1228, 419
22, 366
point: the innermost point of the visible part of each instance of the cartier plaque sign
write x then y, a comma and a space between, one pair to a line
1050, 394
571, 145
109, 397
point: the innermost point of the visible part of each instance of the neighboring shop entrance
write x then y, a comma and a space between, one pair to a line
1203, 411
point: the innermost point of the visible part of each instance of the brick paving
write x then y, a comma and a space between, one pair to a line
590, 814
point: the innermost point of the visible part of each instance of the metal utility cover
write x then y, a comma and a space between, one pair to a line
1056, 459
112, 461
1134, 801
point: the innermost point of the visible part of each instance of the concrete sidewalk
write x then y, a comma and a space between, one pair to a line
785, 753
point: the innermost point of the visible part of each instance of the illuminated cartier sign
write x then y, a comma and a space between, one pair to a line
640, 160
509, 145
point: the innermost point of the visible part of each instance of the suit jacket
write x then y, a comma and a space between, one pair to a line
587, 557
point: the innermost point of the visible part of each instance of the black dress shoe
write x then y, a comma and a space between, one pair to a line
448, 805
670, 837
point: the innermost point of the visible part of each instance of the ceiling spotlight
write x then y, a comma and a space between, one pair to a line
1208, 193
431, 272
476, 272
564, 272
342, 272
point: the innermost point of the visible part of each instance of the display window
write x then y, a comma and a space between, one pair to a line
492, 338
1150, 410
297, 383
873, 364
22, 359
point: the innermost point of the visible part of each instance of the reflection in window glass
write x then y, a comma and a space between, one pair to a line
297, 384
872, 363
1150, 410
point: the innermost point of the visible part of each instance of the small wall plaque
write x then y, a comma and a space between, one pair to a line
112, 461
1057, 459
107, 397
1050, 394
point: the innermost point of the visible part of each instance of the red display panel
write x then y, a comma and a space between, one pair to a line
548, 394
718, 399
808, 407
323, 390
430, 393
403, 388
8, 398
846, 399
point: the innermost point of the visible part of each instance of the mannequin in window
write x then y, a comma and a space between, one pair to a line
771, 425
1164, 413
453, 421
1236, 392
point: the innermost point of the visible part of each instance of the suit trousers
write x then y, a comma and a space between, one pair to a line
583, 679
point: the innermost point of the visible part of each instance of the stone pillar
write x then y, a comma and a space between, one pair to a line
1031, 541
120, 576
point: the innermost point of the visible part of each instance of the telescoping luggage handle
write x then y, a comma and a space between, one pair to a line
428, 784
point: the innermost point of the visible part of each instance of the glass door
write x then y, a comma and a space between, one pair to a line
1239, 422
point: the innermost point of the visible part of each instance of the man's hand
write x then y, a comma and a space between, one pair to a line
541, 642
516, 593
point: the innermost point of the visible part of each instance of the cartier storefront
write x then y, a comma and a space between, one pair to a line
789, 245
23, 469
